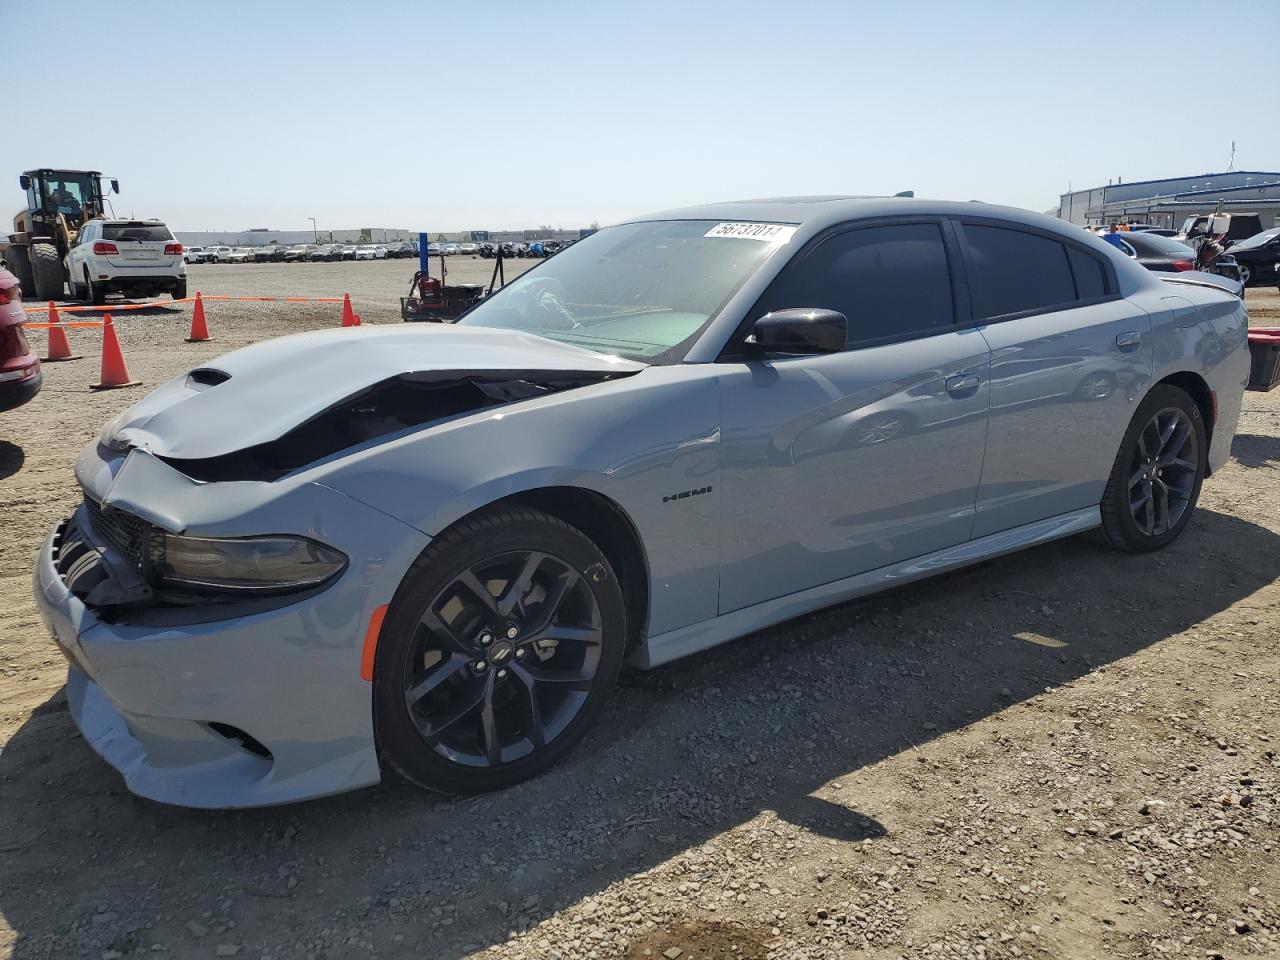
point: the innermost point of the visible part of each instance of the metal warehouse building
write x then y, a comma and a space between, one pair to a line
1166, 203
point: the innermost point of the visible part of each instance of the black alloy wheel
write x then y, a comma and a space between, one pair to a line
498, 651
1158, 472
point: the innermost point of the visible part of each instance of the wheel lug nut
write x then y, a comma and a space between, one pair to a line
520, 653
512, 633
502, 674
480, 666
485, 639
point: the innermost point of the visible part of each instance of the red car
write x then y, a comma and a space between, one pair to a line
19, 367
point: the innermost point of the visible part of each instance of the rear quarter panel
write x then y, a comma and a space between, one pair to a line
1202, 331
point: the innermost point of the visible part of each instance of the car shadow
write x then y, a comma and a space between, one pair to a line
12, 458
123, 308
1255, 450
766, 726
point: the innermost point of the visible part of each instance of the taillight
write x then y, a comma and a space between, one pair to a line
1181, 265
9, 295
102, 246
173, 249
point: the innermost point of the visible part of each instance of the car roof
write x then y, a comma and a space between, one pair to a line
819, 212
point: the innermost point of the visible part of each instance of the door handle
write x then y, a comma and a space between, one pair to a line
961, 384
1128, 340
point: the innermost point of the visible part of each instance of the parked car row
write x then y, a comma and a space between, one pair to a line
1254, 256
535, 248
299, 252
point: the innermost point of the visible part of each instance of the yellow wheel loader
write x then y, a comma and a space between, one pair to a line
59, 203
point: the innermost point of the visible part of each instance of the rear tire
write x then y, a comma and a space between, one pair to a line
92, 292
20, 265
180, 291
474, 693
1155, 481
46, 267
1246, 273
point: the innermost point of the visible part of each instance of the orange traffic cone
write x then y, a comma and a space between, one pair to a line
355, 320
114, 372
59, 346
348, 318
199, 330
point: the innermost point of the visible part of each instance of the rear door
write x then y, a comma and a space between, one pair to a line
837, 464
1070, 359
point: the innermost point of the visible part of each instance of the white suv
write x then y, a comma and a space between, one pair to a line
138, 258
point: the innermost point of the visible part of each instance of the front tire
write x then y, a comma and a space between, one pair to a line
1246, 273
498, 652
1155, 481
46, 267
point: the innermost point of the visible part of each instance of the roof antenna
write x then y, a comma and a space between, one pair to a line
1231, 164
906, 193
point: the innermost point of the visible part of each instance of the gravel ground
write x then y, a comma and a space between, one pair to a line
1066, 753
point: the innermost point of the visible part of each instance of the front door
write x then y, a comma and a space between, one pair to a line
837, 464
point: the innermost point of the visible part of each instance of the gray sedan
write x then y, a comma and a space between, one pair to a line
432, 548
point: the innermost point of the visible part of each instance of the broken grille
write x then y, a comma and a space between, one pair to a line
130, 535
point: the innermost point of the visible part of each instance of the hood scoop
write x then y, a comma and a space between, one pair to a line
206, 377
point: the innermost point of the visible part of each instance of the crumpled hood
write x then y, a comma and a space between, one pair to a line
257, 394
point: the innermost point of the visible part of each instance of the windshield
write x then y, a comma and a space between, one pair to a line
1257, 240
641, 290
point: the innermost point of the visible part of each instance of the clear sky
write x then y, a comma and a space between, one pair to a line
494, 114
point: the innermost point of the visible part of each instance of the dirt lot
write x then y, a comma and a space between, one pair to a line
1065, 753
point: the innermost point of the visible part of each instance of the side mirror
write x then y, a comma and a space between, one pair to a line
800, 330
25, 182
115, 186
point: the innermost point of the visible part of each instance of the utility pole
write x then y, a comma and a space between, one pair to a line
315, 235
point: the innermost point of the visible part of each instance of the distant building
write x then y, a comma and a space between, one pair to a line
1166, 203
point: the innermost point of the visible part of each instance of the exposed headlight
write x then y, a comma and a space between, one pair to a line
251, 565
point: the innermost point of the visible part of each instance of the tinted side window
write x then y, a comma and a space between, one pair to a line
1090, 274
888, 281
1013, 271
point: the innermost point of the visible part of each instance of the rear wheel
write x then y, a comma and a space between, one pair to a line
20, 264
46, 267
92, 292
1246, 273
1155, 482
498, 652
180, 291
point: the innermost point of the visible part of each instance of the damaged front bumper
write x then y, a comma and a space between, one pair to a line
229, 707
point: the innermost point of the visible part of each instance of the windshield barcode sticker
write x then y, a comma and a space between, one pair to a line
766, 232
